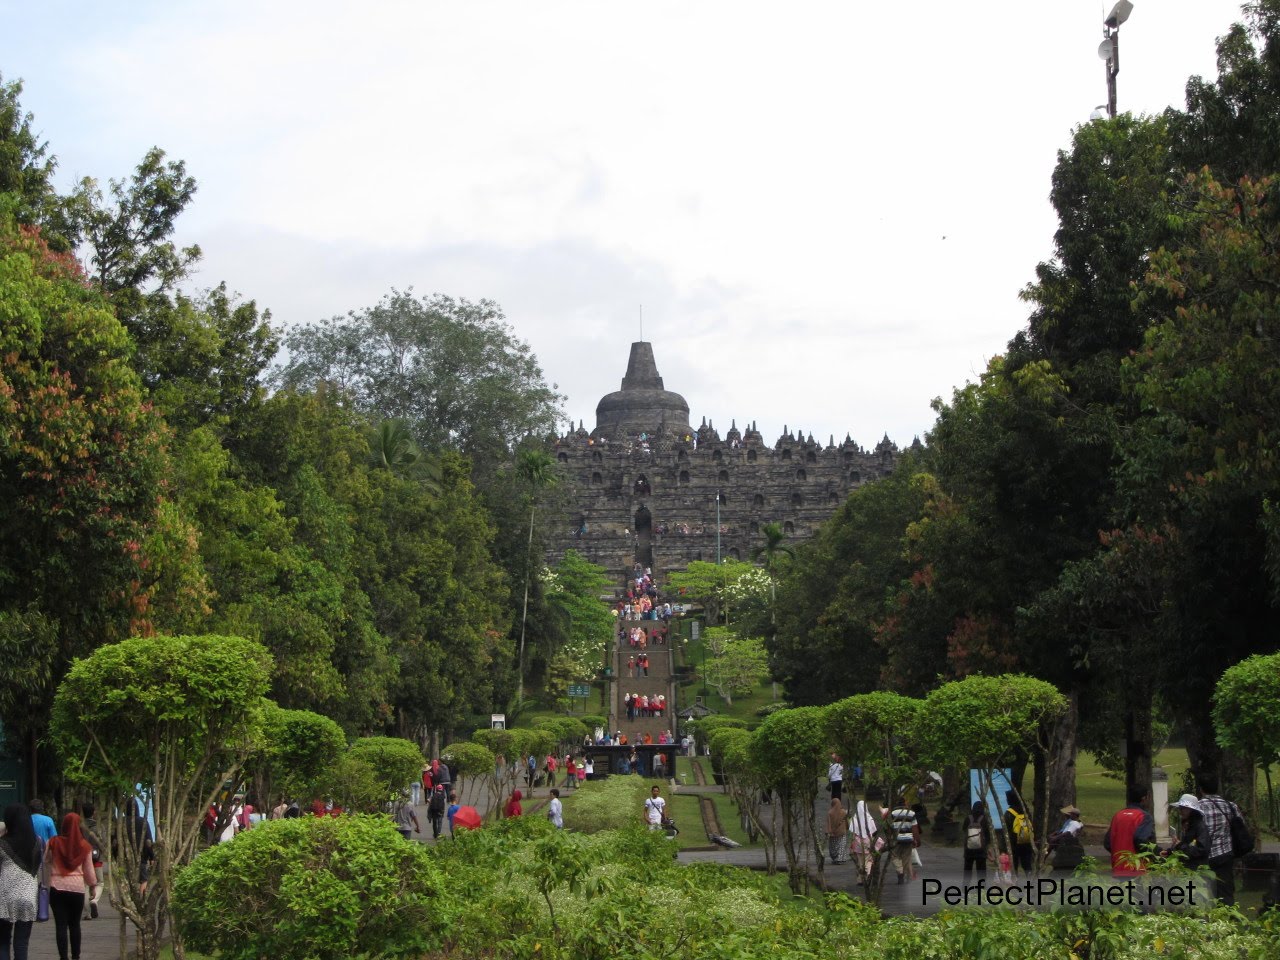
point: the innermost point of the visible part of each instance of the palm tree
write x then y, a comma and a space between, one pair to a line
537, 469
392, 448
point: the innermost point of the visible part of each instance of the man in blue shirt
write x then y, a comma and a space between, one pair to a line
44, 826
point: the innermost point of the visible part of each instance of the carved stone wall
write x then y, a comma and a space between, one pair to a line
664, 494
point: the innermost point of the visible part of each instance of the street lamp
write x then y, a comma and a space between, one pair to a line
1109, 49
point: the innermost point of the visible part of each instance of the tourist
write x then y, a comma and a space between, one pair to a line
405, 818
1018, 834
588, 767
1193, 838
835, 777
436, 810
976, 830
837, 831
19, 885
68, 873
906, 836
452, 809
555, 810
570, 771
531, 773
513, 807
655, 808
41, 823
89, 830
1218, 814
1132, 831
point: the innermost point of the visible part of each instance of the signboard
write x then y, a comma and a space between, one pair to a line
579, 690
497, 721
695, 627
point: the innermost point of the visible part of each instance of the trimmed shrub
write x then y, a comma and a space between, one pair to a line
313, 888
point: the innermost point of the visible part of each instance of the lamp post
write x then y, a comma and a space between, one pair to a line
1109, 49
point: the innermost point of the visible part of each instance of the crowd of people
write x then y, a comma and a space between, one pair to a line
55, 870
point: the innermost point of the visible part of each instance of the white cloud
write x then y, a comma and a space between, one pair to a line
827, 209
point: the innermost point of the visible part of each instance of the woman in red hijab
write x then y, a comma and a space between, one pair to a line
68, 873
513, 808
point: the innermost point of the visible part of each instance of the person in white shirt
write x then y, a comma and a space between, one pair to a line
835, 777
555, 810
655, 809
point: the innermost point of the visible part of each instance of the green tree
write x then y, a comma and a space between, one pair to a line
83, 469
986, 723
154, 721
26, 174
536, 470
832, 600
736, 665
1246, 719
573, 590
451, 368
792, 746
128, 235
296, 754
395, 764
705, 583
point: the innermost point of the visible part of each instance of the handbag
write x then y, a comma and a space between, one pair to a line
42, 905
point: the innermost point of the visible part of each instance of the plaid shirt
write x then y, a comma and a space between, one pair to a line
1217, 817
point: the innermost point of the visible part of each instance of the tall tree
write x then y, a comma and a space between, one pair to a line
450, 368
537, 471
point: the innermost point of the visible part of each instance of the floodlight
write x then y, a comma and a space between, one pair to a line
1099, 112
1119, 14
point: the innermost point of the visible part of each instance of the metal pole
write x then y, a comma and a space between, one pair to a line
1113, 68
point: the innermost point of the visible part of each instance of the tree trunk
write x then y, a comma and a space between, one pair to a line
1137, 740
1064, 748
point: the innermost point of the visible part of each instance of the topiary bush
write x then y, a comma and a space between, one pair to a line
312, 888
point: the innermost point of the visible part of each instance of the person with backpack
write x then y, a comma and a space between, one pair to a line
1017, 830
977, 840
436, 809
1229, 837
906, 836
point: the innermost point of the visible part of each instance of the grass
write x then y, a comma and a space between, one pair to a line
1099, 795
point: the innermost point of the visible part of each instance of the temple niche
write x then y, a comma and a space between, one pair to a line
645, 485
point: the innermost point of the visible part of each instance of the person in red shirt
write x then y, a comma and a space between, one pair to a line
1132, 831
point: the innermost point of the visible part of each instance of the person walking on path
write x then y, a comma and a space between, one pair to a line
906, 836
864, 828
435, 811
1132, 831
977, 839
89, 830
555, 810
1017, 831
68, 873
1218, 814
406, 819
19, 884
835, 777
837, 831
42, 824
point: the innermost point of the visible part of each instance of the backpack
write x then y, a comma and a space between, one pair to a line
974, 839
1021, 828
1241, 838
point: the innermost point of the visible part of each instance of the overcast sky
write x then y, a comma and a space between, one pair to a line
827, 210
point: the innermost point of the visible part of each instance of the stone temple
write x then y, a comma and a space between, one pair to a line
646, 486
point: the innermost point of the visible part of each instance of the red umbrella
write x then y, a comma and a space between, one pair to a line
467, 818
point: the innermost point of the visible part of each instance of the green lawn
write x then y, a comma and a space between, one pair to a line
1099, 796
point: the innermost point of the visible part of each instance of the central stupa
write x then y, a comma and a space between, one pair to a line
642, 405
